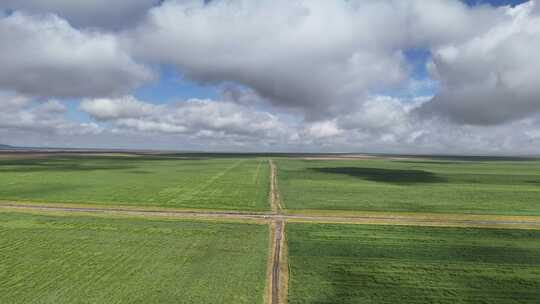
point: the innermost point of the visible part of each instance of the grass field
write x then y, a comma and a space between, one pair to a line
229, 183
390, 264
477, 186
49, 259
109, 258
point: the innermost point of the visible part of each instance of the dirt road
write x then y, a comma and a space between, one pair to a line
278, 226
276, 261
274, 193
268, 217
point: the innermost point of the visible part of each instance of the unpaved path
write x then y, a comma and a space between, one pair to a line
278, 227
274, 193
276, 262
268, 217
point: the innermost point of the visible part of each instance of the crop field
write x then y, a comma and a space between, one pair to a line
228, 183
475, 186
272, 229
398, 264
74, 259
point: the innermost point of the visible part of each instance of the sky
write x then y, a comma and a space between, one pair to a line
373, 76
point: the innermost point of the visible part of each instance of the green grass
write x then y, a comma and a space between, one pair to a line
48, 259
192, 182
390, 264
439, 186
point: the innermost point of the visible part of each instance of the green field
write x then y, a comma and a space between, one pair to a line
397, 264
484, 186
198, 182
48, 259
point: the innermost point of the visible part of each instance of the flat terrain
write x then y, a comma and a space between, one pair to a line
227, 183
332, 263
474, 186
88, 227
73, 259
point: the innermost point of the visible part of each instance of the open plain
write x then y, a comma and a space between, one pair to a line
200, 228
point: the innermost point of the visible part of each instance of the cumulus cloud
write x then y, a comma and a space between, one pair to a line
105, 14
303, 75
195, 116
109, 109
491, 78
44, 56
22, 114
316, 56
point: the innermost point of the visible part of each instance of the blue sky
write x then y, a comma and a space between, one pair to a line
171, 86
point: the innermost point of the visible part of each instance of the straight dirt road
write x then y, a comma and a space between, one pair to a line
278, 232
396, 219
274, 193
276, 261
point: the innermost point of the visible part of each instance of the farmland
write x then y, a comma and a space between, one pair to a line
74, 259
197, 182
203, 228
474, 186
388, 264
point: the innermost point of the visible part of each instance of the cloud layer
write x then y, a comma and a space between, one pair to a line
303, 75
493, 77
103, 14
44, 56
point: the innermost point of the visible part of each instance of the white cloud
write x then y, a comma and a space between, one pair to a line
87, 13
44, 56
303, 75
323, 129
493, 77
312, 55
194, 117
21, 114
125, 107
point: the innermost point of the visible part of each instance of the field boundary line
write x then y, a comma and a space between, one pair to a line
124, 207
268, 217
276, 263
277, 224
269, 263
274, 196
284, 268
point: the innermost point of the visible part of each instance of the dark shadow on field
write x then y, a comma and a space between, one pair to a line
58, 165
432, 265
392, 176
434, 162
39, 192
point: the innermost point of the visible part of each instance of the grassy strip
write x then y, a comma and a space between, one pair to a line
134, 215
416, 215
119, 206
